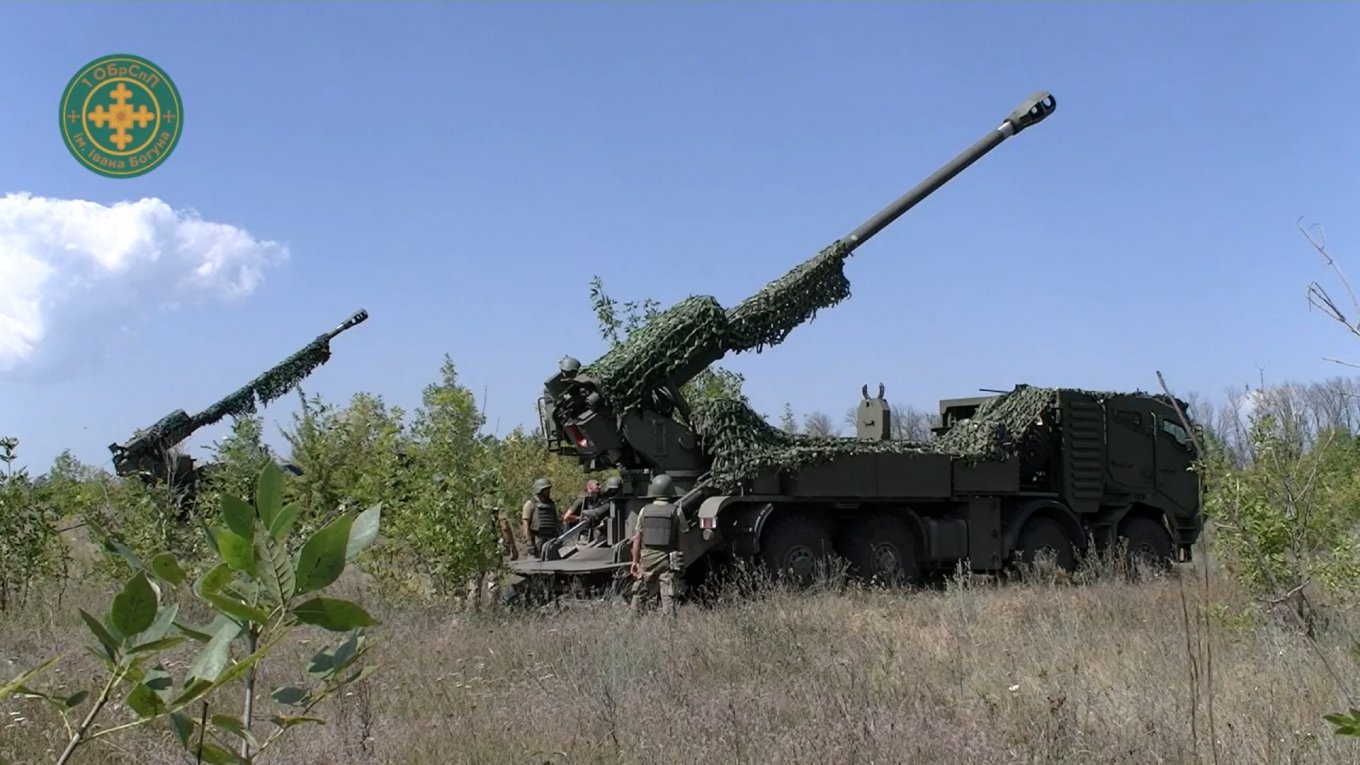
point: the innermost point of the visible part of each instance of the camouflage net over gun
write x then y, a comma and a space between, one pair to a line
698, 330
270, 385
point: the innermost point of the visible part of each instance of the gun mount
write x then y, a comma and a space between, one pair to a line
619, 411
148, 453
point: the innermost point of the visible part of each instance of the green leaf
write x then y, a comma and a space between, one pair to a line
214, 754
217, 578
233, 726
233, 607
74, 700
183, 727
322, 559
167, 568
210, 535
363, 531
291, 695
213, 658
110, 644
157, 645
134, 609
236, 550
116, 547
204, 634
145, 702
282, 524
165, 619
288, 721
238, 515
269, 493
276, 566
333, 614
9, 688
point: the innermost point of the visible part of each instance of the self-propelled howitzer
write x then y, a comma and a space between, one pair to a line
619, 411
1007, 477
148, 453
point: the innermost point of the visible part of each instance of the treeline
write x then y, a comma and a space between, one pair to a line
1281, 472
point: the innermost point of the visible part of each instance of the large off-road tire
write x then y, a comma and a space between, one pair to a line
1145, 542
881, 549
795, 548
1041, 534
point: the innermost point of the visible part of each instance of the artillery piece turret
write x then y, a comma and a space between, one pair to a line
149, 454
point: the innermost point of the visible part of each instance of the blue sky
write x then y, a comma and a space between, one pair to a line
463, 170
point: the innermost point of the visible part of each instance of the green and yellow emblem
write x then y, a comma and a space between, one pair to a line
121, 116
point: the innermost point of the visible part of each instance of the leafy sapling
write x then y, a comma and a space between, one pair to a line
261, 590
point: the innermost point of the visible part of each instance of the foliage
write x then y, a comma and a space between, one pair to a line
30, 546
263, 587
347, 456
438, 522
1290, 516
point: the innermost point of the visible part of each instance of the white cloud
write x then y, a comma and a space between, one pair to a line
72, 272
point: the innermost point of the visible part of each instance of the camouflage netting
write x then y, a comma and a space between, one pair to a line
1015, 425
767, 317
698, 331
742, 443
660, 350
268, 386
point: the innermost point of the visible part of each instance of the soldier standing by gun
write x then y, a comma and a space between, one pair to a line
538, 518
657, 556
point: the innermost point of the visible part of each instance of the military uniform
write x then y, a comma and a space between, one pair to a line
656, 540
489, 580
539, 513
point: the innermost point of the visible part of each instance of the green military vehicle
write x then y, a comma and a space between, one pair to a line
150, 453
1004, 477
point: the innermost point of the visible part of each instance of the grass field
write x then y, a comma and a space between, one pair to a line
1103, 672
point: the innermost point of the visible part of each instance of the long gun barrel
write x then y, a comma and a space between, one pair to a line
683, 341
147, 451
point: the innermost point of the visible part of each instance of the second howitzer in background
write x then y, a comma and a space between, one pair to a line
149, 453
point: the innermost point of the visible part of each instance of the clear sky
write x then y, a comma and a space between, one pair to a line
462, 171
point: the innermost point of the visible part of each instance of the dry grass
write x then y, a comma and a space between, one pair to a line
1097, 673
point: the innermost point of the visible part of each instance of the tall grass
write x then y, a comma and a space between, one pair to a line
1040, 670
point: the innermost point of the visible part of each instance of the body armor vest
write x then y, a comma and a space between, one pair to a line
656, 523
545, 520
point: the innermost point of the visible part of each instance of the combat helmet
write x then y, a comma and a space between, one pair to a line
661, 487
613, 484
541, 484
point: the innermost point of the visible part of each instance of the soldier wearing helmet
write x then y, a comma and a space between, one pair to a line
656, 547
538, 518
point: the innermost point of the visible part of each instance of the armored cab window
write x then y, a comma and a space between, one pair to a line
1176, 432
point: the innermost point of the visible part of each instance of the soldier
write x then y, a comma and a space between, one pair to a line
539, 519
584, 502
656, 547
488, 580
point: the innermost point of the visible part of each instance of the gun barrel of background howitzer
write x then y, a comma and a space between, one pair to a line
1030, 112
359, 317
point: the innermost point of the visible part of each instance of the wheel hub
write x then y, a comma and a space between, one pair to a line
800, 561
886, 559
